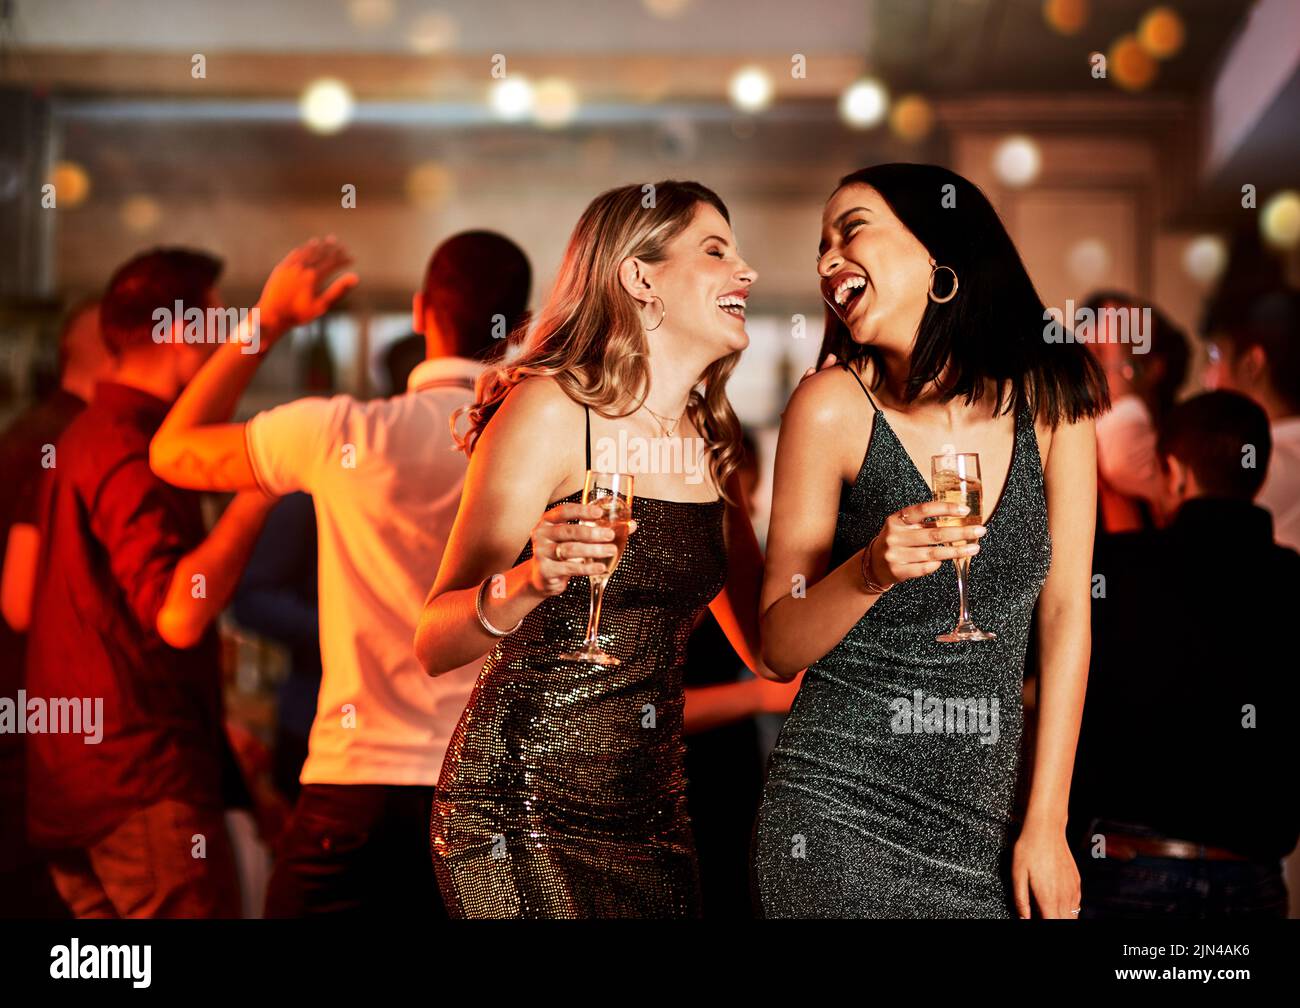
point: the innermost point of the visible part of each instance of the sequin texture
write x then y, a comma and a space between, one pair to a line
563, 793
867, 812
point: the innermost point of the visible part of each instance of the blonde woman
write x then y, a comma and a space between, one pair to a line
563, 792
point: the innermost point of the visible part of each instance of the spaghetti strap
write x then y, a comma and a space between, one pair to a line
847, 367
588, 411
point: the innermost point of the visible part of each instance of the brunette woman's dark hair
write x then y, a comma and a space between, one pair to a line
996, 326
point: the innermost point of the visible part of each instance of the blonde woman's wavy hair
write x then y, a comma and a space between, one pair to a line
589, 336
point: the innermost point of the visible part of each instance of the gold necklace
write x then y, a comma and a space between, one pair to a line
668, 432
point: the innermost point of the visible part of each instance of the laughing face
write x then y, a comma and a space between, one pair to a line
875, 274
704, 284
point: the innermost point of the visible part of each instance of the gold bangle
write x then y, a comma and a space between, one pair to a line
872, 586
482, 616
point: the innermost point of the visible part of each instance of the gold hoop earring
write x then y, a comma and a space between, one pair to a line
663, 312
952, 293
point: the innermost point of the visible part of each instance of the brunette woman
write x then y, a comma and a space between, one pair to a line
890, 791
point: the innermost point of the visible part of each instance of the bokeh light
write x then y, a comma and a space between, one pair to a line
433, 32
1017, 161
326, 105
555, 102
429, 185
864, 103
666, 8
1088, 261
1204, 258
512, 98
911, 118
140, 214
1066, 16
370, 14
71, 184
1130, 66
1279, 220
1161, 32
750, 89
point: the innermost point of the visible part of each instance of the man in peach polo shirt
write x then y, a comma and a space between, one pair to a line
386, 482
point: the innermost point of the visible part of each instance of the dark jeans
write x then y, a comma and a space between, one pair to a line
356, 849
1178, 888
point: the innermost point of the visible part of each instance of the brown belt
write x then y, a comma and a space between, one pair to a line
1126, 846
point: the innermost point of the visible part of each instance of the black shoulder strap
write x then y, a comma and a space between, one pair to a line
847, 367
588, 410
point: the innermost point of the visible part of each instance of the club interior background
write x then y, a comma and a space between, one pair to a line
206, 122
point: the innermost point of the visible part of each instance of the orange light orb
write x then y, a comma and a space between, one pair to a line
1131, 66
1066, 16
71, 184
1161, 32
911, 118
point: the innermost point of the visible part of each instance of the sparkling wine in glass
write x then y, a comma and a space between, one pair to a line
956, 480
612, 493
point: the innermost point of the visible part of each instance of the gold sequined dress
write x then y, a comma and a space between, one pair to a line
563, 793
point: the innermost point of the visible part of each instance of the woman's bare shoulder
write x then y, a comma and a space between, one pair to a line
538, 426
540, 399
828, 414
828, 400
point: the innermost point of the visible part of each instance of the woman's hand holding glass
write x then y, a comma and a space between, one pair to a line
906, 549
563, 549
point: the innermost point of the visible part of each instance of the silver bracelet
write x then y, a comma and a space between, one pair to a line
482, 617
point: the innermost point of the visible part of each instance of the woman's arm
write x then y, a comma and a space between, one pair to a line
710, 707
807, 611
1043, 864
523, 456
736, 606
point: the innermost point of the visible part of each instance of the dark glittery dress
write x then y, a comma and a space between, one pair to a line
890, 790
563, 793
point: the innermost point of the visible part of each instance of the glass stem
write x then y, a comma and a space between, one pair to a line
593, 619
963, 570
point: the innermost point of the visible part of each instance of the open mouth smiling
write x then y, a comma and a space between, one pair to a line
733, 303
843, 291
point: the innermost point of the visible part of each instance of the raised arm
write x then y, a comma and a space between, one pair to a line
522, 457
197, 446
215, 565
1042, 862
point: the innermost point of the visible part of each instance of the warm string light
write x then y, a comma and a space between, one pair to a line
1204, 258
1279, 220
1017, 161
750, 89
326, 105
71, 184
864, 103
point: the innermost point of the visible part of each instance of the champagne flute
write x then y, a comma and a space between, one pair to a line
612, 493
956, 478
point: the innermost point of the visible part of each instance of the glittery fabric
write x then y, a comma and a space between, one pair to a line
869, 810
563, 793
